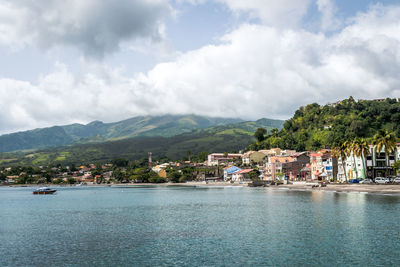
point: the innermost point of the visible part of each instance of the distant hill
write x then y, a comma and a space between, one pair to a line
314, 126
223, 138
97, 131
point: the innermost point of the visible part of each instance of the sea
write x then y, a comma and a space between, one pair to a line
192, 226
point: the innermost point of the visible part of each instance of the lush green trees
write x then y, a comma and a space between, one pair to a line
154, 178
361, 149
174, 176
386, 141
200, 157
254, 175
260, 134
71, 180
120, 162
315, 127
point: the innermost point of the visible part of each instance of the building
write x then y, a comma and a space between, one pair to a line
323, 165
160, 170
271, 152
215, 159
287, 167
253, 157
379, 164
246, 157
230, 171
352, 167
242, 175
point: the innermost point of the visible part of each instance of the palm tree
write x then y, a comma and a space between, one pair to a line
351, 151
348, 149
340, 152
361, 149
384, 140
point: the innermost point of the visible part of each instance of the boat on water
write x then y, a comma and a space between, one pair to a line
44, 191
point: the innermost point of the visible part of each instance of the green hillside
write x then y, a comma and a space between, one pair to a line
313, 126
226, 138
165, 126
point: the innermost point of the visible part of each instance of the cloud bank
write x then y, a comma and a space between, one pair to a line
93, 27
255, 71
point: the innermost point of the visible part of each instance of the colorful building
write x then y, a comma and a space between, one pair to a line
323, 165
230, 171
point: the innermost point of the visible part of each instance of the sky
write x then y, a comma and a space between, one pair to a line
73, 61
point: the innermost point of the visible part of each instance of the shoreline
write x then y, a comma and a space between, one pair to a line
389, 189
349, 188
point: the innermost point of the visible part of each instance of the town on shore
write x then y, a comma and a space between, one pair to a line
376, 163
346, 151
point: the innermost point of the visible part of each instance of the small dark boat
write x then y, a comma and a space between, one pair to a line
44, 191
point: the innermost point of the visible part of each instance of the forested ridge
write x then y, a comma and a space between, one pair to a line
314, 126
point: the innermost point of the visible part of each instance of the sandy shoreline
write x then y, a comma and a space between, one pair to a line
347, 188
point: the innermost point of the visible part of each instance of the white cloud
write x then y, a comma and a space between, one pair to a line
281, 13
94, 27
256, 71
329, 20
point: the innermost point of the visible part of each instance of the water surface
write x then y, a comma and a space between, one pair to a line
166, 226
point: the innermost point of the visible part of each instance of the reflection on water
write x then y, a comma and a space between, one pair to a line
155, 226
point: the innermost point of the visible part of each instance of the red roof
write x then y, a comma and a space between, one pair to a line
316, 155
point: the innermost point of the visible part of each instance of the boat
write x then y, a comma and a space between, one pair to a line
44, 191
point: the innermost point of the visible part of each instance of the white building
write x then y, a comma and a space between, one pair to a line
215, 159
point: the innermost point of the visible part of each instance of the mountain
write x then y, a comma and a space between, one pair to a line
314, 126
97, 131
223, 138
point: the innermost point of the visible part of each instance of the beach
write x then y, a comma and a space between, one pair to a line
358, 188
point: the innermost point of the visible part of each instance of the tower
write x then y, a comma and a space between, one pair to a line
150, 161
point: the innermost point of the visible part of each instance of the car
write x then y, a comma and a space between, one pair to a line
381, 180
354, 181
366, 181
396, 180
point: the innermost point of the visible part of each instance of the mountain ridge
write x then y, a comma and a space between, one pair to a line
222, 138
97, 131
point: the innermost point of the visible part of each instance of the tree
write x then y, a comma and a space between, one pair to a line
189, 154
396, 166
118, 175
71, 180
274, 132
173, 176
384, 140
120, 162
361, 149
153, 177
201, 157
341, 152
254, 175
351, 147
260, 134
72, 168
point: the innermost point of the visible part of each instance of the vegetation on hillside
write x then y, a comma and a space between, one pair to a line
314, 127
196, 144
97, 132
